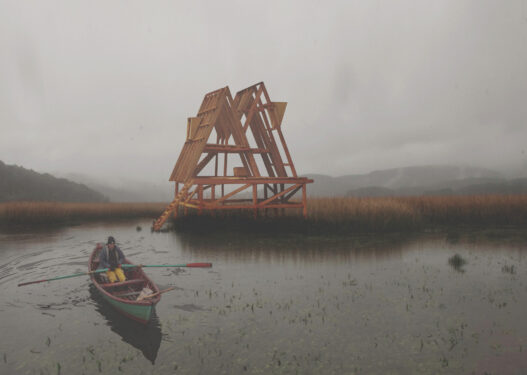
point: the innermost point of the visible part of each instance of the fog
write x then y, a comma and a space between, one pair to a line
104, 88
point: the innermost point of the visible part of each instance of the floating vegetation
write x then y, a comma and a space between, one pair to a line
457, 262
508, 269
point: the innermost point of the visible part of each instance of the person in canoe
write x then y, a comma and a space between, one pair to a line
112, 257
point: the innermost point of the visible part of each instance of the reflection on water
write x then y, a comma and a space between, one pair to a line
146, 338
283, 248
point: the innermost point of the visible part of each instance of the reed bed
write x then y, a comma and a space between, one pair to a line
422, 210
57, 212
379, 214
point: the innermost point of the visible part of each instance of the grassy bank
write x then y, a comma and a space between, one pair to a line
324, 214
19, 213
375, 215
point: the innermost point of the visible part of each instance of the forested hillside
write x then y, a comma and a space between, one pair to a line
20, 184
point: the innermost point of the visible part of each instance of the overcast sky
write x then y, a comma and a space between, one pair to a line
105, 87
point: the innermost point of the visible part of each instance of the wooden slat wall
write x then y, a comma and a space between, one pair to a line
208, 113
221, 112
248, 101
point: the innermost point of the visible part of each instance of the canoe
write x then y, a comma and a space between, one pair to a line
123, 295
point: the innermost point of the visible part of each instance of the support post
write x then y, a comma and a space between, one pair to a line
176, 191
200, 199
265, 198
304, 201
255, 199
213, 197
282, 213
275, 186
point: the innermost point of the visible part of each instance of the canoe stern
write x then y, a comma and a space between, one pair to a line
138, 312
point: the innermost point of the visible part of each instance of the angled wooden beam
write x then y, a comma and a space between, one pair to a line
204, 162
234, 192
278, 195
252, 110
288, 196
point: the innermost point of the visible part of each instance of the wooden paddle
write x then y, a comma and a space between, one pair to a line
190, 265
64, 277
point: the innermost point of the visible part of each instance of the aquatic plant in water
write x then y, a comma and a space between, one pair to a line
457, 262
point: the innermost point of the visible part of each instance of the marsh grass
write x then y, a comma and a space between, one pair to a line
14, 213
371, 215
380, 214
457, 262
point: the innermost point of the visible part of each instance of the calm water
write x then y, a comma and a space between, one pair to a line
355, 305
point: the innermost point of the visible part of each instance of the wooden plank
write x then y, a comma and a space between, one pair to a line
304, 201
278, 110
233, 149
231, 194
247, 206
252, 110
123, 283
288, 196
207, 180
204, 162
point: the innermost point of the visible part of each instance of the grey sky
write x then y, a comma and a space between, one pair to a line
105, 87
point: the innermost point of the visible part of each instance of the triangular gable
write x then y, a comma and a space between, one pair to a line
250, 109
215, 113
199, 130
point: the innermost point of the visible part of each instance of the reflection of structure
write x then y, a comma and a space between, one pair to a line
146, 338
220, 128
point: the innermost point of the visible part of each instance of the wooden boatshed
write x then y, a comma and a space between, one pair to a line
245, 133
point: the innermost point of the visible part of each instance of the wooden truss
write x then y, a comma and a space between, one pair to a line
247, 128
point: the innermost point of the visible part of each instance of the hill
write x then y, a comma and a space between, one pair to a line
20, 184
414, 180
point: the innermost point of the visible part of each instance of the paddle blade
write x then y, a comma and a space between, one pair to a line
32, 282
199, 265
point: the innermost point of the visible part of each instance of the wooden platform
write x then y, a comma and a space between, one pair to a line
247, 127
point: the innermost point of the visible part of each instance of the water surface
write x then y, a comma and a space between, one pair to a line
288, 304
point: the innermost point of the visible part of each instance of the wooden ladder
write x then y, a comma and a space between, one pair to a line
166, 213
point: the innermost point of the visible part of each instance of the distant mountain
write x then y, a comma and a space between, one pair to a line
20, 184
402, 181
514, 186
463, 187
416, 180
126, 190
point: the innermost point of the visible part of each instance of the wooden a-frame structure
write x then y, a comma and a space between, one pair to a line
245, 127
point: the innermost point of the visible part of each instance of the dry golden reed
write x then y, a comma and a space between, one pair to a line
56, 212
379, 214
421, 211
367, 214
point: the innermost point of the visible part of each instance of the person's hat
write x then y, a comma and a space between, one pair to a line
110, 240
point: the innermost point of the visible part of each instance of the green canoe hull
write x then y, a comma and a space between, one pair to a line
139, 313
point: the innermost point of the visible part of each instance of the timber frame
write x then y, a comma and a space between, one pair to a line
264, 180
